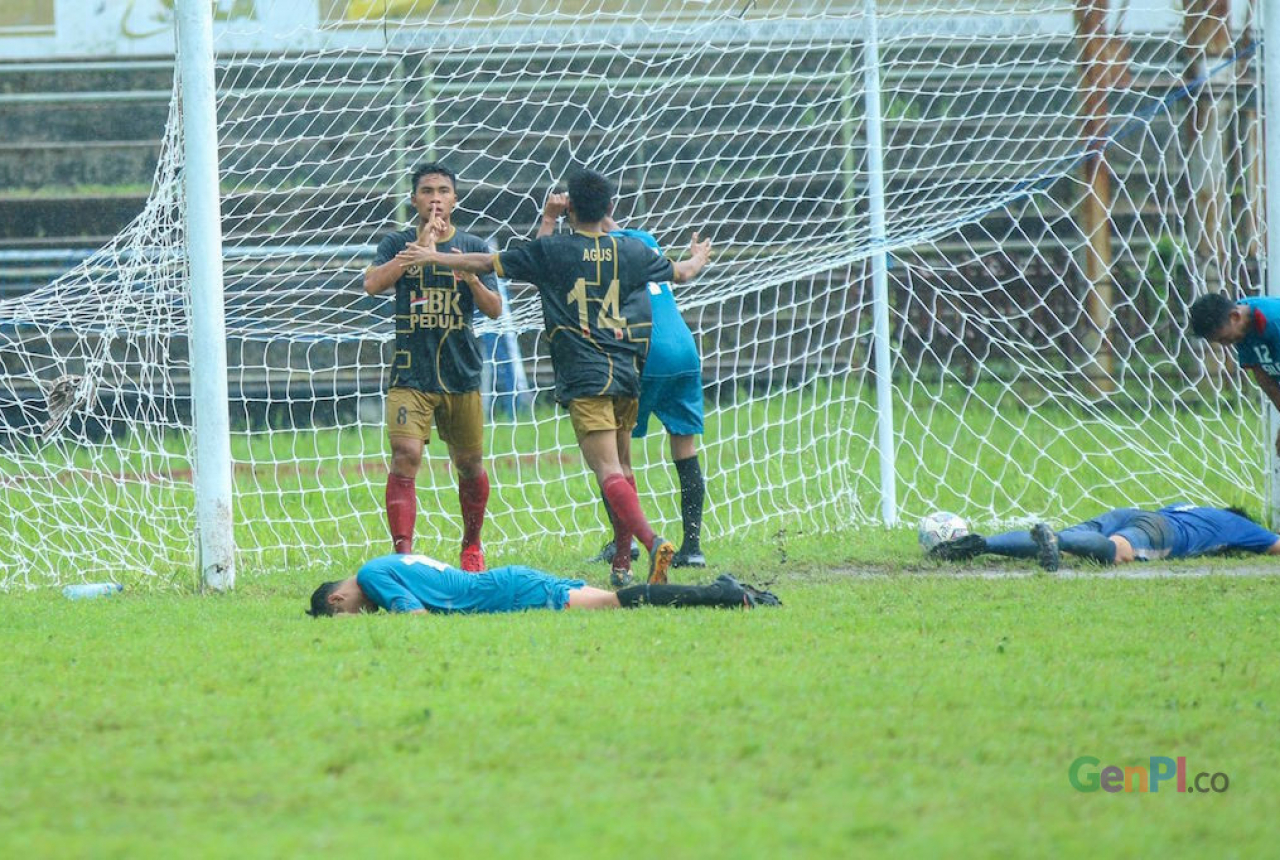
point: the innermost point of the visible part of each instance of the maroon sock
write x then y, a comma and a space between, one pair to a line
626, 507
473, 496
622, 535
402, 510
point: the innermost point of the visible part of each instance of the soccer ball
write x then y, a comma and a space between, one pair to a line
941, 526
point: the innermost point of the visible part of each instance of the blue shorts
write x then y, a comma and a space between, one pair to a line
676, 400
1148, 533
533, 589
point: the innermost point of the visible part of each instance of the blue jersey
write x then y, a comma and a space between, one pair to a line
1261, 345
672, 349
1197, 531
404, 583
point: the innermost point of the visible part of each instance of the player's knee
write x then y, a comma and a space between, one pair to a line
1124, 550
405, 461
469, 465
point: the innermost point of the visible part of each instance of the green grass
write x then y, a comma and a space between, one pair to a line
899, 715
798, 463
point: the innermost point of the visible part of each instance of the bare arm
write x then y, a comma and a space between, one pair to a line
556, 205
1272, 390
1267, 384
1274, 549
699, 253
488, 301
379, 279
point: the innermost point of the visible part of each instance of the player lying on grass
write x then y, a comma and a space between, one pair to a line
1124, 535
417, 584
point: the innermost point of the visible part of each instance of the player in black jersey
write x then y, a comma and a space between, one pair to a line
596, 317
435, 373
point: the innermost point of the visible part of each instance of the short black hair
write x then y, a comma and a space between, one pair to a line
1240, 512
590, 193
432, 167
1209, 313
320, 607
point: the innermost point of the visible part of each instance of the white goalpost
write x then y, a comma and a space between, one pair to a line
955, 247
210, 416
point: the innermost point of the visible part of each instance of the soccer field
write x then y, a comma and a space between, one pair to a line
909, 714
792, 466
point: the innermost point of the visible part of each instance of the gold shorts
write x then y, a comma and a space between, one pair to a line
458, 417
592, 414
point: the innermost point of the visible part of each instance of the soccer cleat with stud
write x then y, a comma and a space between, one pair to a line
960, 549
620, 577
1046, 541
689, 558
472, 559
660, 560
751, 596
606, 555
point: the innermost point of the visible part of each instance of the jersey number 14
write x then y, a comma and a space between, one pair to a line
610, 315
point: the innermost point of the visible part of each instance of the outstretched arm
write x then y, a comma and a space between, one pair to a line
699, 253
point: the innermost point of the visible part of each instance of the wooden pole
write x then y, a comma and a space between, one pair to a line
1208, 40
1098, 75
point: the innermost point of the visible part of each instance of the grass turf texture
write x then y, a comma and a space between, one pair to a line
793, 463
907, 715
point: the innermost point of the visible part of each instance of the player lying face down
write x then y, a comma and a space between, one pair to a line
1125, 535
418, 584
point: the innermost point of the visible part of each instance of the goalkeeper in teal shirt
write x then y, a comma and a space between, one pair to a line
1252, 326
418, 584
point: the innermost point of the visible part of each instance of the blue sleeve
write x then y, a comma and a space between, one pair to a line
386, 591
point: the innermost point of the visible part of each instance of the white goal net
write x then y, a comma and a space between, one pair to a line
1060, 181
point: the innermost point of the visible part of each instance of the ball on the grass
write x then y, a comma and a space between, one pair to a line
941, 526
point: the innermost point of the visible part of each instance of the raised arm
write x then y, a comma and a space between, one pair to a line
699, 253
557, 204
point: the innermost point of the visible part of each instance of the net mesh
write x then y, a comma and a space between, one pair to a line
1060, 181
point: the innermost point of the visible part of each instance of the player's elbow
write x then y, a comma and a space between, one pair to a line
1274, 549
371, 286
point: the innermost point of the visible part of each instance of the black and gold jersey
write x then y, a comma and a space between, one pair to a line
594, 306
436, 349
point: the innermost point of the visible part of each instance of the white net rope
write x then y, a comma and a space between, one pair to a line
1059, 184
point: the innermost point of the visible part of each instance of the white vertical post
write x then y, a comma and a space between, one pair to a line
879, 270
208, 326
1269, 80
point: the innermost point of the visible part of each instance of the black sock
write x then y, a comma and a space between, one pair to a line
679, 595
693, 492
